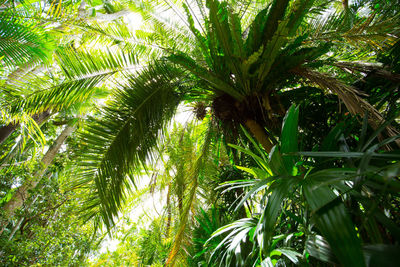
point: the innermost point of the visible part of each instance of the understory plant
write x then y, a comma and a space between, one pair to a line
336, 206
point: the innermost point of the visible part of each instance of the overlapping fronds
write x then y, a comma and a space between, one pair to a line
115, 31
118, 35
83, 71
227, 59
193, 177
376, 32
161, 21
29, 132
39, 11
245, 63
121, 141
21, 41
349, 95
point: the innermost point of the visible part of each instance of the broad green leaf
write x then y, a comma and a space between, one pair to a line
289, 139
276, 162
333, 221
319, 248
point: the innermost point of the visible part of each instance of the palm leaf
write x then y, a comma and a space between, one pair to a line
349, 95
215, 82
121, 141
289, 138
332, 220
21, 41
84, 71
375, 31
194, 178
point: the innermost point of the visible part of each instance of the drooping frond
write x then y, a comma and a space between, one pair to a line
193, 177
121, 141
349, 95
92, 62
376, 32
84, 70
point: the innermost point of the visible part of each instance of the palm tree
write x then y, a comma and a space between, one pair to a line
46, 69
46, 75
186, 187
241, 73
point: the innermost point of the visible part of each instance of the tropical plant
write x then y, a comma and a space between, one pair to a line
240, 66
47, 230
309, 206
59, 66
240, 72
61, 82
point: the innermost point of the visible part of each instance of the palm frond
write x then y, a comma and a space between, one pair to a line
83, 70
219, 84
232, 244
349, 95
21, 41
160, 23
372, 32
194, 183
122, 140
77, 63
118, 35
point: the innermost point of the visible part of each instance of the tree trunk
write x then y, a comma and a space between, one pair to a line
169, 212
7, 130
17, 226
345, 4
259, 134
22, 193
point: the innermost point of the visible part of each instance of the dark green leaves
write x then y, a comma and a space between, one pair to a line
289, 139
332, 219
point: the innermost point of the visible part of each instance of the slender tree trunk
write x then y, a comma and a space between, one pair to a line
259, 134
345, 4
22, 193
16, 227
169, 212
7, 130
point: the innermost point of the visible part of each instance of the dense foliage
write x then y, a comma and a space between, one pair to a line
288, 155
